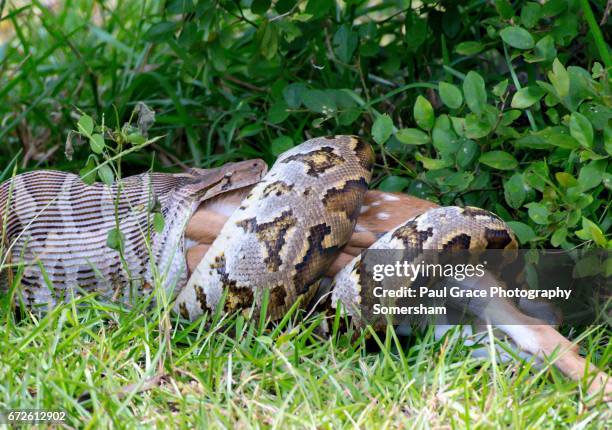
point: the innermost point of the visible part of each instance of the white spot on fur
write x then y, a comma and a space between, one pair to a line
364, 209
383, 215
190, 243
390, 198
376, 203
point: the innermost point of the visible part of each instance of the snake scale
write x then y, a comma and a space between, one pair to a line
281, 239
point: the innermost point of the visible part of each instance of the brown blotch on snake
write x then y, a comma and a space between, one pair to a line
316, 255
497, 239
277, 188
474, 212
344, 199
238, 298
272, 235
461, 241
364, 153
318, 161
411, 236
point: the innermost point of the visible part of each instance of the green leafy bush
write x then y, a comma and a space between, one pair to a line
498, 104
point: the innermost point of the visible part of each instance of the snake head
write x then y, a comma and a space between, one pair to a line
229, 177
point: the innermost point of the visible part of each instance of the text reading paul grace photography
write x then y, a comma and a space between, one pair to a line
467, 281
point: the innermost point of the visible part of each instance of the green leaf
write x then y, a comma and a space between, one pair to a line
555, 136
278, 112
158, 222
566, 180
499, 160
538, 213
432, 163
500, 88
607, 180
474, 91
318, 8
444, 138
160, 32
267, 35
591, 175
559, 78
87, 173
536, 175
280, 145
517, 37
591, 231
530, 14
544, 50
319, 101
423, 113
607, 138
85, 125
450, 95
97, 143
349, 116
581, 129
260, 7
558, 237
250, 130
467, 153
510, 116
106, 175
504, 8
136, 138
344, 42
523, 232
292, 94
416, 31
469, 48
412, 136
393, 184
477, 127
382, 129
527, 96
514, 191
115, 239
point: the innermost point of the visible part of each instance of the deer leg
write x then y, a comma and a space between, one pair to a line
536, 337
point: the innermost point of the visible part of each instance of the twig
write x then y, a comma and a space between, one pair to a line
606, 13
172, 157
139, 387
243, 84
241, 17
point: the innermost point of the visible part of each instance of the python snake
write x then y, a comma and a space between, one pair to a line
291, 227
281, 239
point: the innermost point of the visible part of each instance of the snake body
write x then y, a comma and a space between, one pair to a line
290, 227
287, 231
440, 229
57, 229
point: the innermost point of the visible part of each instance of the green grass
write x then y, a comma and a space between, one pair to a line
92, 358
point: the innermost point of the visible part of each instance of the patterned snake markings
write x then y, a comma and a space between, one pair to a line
289, 228
57, 228
445, 228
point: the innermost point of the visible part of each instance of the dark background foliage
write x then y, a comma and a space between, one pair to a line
498, 104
